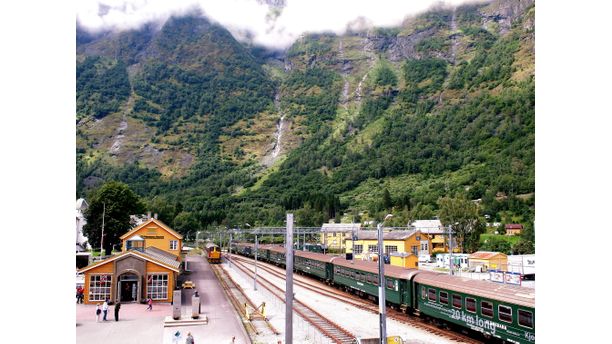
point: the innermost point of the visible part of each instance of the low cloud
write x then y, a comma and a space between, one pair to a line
271, 23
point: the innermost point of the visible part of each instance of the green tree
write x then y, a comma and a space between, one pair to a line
387, 201
117, 202
524, 247
186, 223
462, 215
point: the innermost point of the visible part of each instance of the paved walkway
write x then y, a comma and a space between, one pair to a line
136, 325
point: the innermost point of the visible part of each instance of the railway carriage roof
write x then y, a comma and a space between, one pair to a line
390, 270
326, 258
501, 292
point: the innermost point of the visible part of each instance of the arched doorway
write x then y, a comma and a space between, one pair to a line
128, 287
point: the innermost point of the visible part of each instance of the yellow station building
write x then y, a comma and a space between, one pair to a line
147, 267
403, 247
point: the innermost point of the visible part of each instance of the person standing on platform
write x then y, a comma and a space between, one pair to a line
105, 309
150, 303
117, 307
189, 339
98, 311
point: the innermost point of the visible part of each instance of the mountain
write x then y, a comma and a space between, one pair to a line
200, 124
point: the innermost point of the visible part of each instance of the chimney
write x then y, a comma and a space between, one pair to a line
148, 215
155, 216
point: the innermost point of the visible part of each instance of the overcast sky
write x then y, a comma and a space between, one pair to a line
266, 24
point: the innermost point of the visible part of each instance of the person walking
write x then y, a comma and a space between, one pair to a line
79, 294
105, 309
150, 303
189, 339
98, 311
117, 307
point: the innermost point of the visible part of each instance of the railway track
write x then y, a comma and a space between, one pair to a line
257, 323
364, 305
325, 326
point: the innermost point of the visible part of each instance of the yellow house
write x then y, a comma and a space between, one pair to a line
147, 267
333, 235
153, 233
404, 260
366, 244
488, 260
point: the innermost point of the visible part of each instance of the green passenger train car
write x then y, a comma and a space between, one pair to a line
314, 264
498, 310
363, 277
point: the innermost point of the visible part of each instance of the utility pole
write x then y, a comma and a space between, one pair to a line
102, 236
289, 281
255, 278
382, 307
450, 245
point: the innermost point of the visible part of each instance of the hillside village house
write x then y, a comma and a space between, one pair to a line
333, 235
403, 247
147, 267
513, 228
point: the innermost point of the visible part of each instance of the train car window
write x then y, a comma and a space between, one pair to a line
456, 301
525, 318
423, 292
444, 297
390, 284
486, 308
505, 313
470, 304
431, 295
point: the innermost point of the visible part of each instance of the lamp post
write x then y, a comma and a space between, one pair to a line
381, 283
450, 249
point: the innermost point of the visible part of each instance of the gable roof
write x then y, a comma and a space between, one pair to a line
157, 222
484, 255
167, 263
395, 235
340, 227
514, 226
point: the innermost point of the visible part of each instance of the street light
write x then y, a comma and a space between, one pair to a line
381, 282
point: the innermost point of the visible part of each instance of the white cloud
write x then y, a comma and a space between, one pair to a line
253, 17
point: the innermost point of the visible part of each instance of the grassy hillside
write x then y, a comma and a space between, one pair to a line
441, 106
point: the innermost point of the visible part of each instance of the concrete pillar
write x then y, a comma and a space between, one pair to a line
176, 304
195, 307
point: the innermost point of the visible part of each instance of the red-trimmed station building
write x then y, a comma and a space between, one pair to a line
147, 267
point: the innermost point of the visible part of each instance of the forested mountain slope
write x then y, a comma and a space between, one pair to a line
373, 121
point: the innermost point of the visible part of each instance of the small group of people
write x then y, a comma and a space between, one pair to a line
188, 340
104, 311
79, 294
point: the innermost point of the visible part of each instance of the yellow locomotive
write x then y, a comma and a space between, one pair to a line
213, 253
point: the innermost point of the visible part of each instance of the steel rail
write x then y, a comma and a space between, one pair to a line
325, 326
359, 303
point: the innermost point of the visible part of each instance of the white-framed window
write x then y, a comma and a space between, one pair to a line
173, 244
504, 313
373, 248
100, 287
389, 249
358, 249
525, 318
157, 286
415, 250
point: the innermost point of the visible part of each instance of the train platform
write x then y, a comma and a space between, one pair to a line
137, 325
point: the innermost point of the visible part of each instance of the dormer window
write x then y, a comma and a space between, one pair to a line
135, 243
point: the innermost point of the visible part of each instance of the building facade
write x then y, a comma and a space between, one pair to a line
147, 267
395, 243
333, 235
